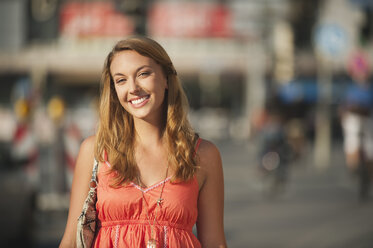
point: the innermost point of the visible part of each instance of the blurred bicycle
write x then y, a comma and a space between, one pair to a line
275, 154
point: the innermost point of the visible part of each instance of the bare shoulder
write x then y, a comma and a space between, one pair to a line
88, 145
208, 154
209, 161
86, 155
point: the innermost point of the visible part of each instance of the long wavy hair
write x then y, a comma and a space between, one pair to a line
116, 135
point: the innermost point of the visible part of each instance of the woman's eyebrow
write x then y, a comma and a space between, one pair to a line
137, 70
142, 67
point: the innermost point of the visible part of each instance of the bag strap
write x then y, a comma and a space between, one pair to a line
93, 182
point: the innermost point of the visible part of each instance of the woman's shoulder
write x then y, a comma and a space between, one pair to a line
86, 151
208, 154
89, 142
209, 162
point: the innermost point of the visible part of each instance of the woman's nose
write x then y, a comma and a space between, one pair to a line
134, 86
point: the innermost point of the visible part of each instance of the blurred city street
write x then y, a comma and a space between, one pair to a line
317, 209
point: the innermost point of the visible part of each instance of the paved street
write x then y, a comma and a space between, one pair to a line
317, 209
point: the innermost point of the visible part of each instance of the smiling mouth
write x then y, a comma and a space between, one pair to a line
139, 100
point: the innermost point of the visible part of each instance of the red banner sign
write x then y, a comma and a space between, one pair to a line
190, 20
97, 19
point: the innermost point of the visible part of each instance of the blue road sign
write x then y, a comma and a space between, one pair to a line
331, 40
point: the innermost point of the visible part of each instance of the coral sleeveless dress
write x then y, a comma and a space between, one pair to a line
124, 219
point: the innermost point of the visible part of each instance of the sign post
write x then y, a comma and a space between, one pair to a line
330, 43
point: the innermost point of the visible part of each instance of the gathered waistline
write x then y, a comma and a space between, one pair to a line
143, 222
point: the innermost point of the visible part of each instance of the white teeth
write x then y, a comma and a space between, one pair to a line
138, 101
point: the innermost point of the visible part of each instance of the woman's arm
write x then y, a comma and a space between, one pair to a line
210, 222
79, 190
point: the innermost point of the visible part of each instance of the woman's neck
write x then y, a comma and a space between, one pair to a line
149, 133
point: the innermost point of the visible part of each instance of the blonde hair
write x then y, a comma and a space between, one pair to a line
115, 135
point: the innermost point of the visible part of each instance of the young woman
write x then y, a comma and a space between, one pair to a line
156, 177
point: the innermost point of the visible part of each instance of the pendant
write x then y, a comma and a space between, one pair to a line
152, 243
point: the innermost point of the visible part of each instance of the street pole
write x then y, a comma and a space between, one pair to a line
335, 36
255, 91
322, 147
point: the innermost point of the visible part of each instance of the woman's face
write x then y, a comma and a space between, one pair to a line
140, 84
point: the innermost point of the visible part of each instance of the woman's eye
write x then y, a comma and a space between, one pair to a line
144, 74
122, 80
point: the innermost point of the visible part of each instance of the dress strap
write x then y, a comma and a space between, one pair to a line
197, 145
105, 155
105, 159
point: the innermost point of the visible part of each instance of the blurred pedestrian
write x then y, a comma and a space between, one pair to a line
156, 177
275, 152
357, 123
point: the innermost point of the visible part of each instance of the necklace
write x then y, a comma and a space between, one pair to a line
152, 242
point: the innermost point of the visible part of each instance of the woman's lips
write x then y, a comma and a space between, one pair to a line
139, 101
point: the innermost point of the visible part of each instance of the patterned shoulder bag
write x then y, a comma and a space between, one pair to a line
87, 221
